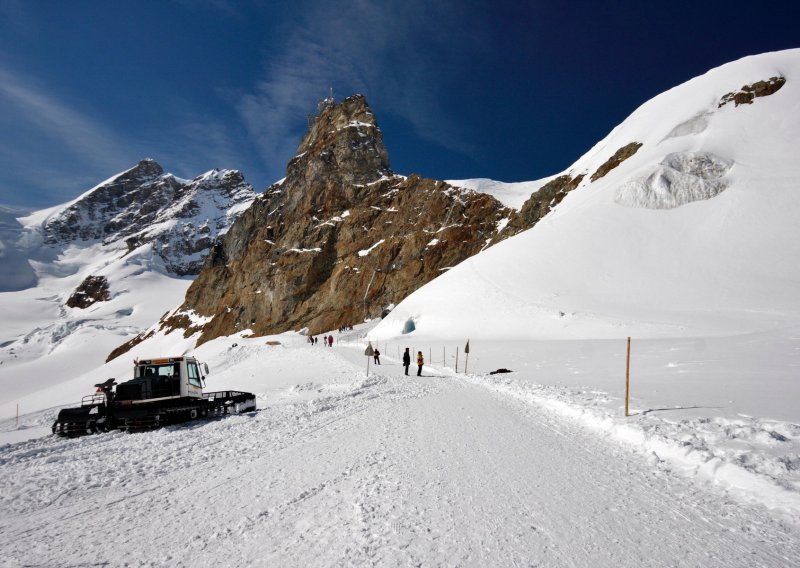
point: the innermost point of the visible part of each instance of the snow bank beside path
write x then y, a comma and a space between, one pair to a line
340, 469
738, 455
722, 409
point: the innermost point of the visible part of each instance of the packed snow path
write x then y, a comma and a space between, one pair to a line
388, 470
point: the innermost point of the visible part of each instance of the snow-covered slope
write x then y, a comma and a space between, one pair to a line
689, 245
695, 234
512, 194
340, 469
145, 232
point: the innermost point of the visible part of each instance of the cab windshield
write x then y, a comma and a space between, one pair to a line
166, 370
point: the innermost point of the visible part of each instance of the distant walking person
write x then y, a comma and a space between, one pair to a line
420, 362
377, 355
325, 340
406, 360
330, 341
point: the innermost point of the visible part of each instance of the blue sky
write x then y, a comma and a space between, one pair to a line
507, 90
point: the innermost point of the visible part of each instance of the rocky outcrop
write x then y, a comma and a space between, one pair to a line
181, 218
127, 346
93, 289
540, 203
619, 156
747, 94
339, 239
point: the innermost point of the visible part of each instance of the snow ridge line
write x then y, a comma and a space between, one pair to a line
773, 492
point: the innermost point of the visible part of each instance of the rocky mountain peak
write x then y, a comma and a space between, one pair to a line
147, 168
339, 239
342, 149
353, 112
143, 205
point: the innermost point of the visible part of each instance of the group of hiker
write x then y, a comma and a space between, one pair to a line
407, 361
376, 355
327, 339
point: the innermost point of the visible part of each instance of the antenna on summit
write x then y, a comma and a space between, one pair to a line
328, 101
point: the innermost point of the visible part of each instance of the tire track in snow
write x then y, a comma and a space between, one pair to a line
708, 519
392, 471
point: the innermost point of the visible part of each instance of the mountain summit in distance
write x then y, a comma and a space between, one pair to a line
180, 218
81, 277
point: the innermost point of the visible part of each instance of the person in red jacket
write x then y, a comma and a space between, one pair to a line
330, 341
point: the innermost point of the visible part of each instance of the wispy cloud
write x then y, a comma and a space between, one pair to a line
29, 107
295, 80
383, 49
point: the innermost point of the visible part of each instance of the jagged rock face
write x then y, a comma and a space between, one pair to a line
181, 218
107, 210
747, 94
540, 203
340, 239
619, 156
93, 289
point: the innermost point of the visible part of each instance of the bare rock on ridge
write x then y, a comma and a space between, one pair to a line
619, 156
339, 239
747, 94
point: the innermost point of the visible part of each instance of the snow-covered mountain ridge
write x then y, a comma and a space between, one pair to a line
181, 218
694, 233
677, 229
103, 267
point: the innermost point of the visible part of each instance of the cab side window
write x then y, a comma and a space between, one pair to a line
194, 375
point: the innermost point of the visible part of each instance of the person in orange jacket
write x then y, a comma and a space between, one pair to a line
420, 362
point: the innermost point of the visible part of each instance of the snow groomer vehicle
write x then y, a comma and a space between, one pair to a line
162, 392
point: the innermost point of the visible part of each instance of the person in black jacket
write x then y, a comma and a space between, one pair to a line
406, 360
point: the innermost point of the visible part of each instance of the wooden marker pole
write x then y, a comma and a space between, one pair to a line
627, 376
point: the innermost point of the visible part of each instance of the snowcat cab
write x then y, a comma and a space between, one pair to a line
161, 379
163, 391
